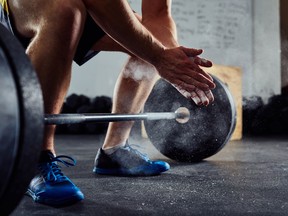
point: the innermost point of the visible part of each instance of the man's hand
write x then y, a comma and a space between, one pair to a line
198, 96
181, 67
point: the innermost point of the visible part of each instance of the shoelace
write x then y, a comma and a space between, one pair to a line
52, 172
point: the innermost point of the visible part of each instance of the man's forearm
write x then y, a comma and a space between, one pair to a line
117, 20
164, 29
157, 18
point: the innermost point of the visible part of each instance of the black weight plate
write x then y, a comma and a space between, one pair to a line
10, 122
207, 131
30, 106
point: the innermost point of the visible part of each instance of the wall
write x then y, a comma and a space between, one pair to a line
240, 33
97, 77
266, 77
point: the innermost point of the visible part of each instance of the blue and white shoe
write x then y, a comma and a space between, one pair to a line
127, 161
51, 187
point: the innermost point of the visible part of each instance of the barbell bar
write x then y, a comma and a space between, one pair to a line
181, 115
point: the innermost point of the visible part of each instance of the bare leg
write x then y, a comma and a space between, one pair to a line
131, 92
55, 27
133, 86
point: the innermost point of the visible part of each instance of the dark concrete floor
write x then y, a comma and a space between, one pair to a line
247, 177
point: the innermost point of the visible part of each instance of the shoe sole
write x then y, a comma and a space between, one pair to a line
56, 203
138, 171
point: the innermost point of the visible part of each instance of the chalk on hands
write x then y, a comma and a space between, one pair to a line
201, 61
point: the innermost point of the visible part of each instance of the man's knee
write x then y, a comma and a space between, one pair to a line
139, 70
31, 16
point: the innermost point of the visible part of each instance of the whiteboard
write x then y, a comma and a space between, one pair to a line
223, 28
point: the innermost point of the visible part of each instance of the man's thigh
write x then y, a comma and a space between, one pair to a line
29, 17
26, 13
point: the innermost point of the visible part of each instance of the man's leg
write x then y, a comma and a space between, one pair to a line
117, 157
54, 27
131, 91
132, 88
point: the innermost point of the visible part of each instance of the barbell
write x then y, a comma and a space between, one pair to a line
181, 115
22, 121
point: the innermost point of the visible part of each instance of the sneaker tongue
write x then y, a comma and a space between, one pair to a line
46, 156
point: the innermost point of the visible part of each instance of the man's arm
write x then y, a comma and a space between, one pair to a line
157, 18
117, 20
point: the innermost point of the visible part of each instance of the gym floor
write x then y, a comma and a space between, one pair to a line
247, 177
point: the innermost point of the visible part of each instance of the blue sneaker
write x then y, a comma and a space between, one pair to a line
127, 161
51, 186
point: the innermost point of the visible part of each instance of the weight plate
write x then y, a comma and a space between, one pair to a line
207, 131
10, 122
30, 107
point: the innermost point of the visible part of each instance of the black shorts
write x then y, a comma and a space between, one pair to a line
91, 34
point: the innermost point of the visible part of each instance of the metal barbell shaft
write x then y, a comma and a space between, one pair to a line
59, 119
181, 115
